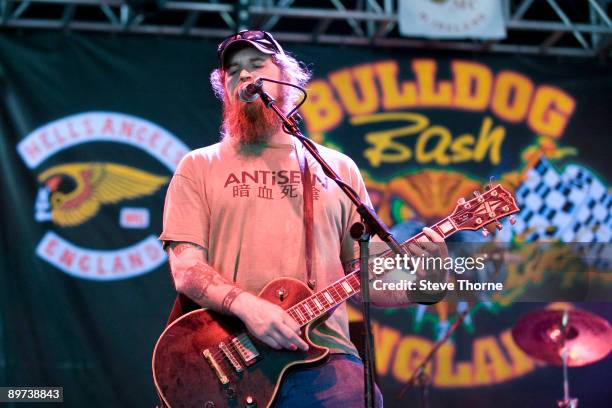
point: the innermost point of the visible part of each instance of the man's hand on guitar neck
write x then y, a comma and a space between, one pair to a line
434, 247
200, 282
430, 245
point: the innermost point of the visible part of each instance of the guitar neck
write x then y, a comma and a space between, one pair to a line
324, 300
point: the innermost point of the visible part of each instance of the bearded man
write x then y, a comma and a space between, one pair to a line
233, 221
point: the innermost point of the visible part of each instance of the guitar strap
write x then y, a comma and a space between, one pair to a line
306, 177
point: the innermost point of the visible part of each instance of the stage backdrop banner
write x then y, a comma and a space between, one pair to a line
93, 126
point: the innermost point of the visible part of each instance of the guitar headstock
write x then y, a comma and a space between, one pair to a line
484, 209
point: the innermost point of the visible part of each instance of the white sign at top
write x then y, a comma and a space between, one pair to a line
452, 19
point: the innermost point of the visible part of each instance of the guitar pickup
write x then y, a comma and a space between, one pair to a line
245, 348
230, 356
215, 366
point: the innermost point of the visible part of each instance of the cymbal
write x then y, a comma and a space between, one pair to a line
539, 334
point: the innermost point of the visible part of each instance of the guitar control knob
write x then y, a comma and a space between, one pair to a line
250, 401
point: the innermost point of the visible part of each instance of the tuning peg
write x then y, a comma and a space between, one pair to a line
461, 201
476, 193
490, 183
499, 226
512, 220
485, 233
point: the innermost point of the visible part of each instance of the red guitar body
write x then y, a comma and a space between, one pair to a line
185, 377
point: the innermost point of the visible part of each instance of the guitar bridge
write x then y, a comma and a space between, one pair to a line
245, 348
215, 366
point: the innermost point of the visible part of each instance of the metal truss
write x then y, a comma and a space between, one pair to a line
579, 28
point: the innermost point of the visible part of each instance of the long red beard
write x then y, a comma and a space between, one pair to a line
250, 122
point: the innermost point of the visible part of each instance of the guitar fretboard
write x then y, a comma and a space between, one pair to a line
324, 300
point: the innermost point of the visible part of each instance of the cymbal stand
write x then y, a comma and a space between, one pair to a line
567, 401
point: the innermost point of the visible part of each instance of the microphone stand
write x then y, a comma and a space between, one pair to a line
371, 225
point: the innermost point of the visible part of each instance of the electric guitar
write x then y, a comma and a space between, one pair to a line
206, 359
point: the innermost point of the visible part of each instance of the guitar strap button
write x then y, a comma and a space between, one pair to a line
250, 402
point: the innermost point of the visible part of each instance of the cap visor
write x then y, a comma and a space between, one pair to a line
240, 44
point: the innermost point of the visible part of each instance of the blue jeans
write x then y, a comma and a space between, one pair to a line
337, 383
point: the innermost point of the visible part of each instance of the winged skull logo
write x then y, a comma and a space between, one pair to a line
73, 193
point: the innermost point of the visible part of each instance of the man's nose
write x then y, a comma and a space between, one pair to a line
245, 76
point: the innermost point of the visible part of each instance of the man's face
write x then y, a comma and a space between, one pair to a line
250, 122
244, 67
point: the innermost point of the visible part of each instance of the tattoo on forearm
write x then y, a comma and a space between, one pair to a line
229, 299
178, 247
201, 277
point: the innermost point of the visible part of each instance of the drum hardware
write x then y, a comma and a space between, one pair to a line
569, 338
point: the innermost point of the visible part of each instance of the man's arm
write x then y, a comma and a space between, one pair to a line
199, 281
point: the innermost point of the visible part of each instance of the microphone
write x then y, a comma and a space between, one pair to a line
250, 93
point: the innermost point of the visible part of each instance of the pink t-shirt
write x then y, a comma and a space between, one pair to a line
244, 207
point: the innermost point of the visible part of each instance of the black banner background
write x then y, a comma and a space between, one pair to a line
95, 337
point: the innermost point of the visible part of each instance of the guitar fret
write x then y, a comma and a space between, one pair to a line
333, 293
302, 309
297, 310
323, 300
316, 306
347, 287
294, 315
356, 283
307, 308
336, 296
343, 293
312, 305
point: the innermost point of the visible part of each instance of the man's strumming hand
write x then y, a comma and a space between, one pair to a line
268, 322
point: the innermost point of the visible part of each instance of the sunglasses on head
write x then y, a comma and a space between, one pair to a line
262, 38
